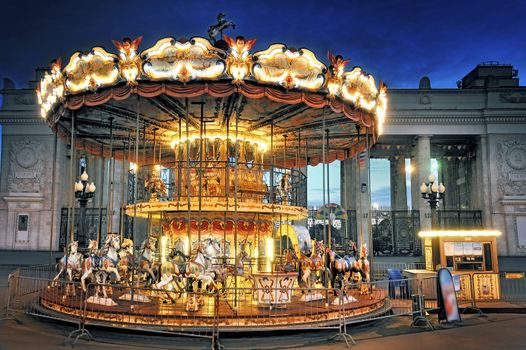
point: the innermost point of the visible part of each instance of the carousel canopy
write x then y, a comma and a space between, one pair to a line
283, 97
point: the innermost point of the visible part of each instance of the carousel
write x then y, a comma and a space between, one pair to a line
214, 139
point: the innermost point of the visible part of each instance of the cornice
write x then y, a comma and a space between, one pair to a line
434, 119
454, 119
22, 121
455, 90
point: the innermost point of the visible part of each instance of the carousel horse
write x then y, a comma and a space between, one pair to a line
70, 263
342, 268
212, 247
146, 262
363, 264
174, 269
225, 248
238, 269
126, 259
110, 260
199, 266
351, 249
313, 265
221, 25
92, 265
291, 260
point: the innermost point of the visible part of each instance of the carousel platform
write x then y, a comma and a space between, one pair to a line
247, 316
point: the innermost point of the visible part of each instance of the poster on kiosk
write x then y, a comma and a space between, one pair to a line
446, 297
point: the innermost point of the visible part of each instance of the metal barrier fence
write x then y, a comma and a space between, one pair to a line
202, 314
513, 287
380, 269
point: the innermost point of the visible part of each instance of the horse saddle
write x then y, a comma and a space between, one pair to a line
96, 261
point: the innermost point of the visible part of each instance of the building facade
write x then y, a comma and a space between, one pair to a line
476, 133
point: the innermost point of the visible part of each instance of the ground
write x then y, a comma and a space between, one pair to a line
496, 331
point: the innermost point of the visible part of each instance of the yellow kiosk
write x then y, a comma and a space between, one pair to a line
472, 252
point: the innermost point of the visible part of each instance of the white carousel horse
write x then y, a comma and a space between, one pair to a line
200, 266
111, 259
197, 267
104, 262
212, 247
70, 263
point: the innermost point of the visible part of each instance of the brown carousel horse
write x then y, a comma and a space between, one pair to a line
146, 262
345, 269
342, 267
126, 260
291, 260
363, 265
313, 266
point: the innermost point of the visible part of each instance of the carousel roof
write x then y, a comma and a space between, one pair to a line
281, 89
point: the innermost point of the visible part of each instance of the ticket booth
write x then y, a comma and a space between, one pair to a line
472, 252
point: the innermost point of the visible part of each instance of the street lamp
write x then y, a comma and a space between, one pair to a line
83, 192
432, 192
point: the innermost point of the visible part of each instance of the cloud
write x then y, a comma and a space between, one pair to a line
382, 196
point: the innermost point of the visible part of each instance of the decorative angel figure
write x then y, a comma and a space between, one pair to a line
335, 74
129, 60
239, 61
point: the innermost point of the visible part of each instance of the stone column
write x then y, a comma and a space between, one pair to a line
363, 205
348, 191
398, 183
348, 183
483, 171
415, 185
452, 197
422, 172
449, 180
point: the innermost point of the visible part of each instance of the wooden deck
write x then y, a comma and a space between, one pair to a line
241, 314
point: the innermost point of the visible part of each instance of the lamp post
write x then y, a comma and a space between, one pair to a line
432, 192
83, 192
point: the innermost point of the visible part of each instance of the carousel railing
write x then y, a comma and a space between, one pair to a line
216, 180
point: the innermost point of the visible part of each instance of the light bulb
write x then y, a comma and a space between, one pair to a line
423, 188
441, 188
84, 176
432, 178
78, 186
91, 187
434, 188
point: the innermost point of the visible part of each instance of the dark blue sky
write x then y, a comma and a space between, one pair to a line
397, 41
